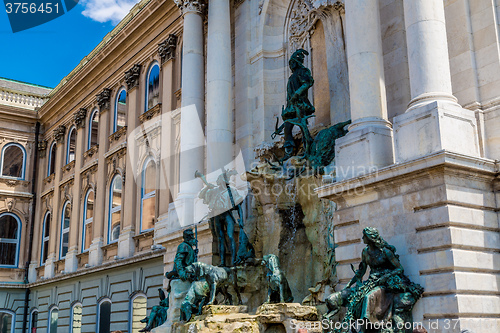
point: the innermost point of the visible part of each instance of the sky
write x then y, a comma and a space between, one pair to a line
45, 54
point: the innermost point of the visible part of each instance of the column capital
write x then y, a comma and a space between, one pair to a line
132, 76
103, 99
42, 147
79, 118
166, 50
194, 6
59, 133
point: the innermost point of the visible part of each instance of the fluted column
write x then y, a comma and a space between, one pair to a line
55, 224
368, 145
192, 113
220, 130
71, 264
99, 230
434, 121
125, 241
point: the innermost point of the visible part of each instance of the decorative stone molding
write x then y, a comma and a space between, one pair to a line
68, 167
122, 132
237, 3
59, 133
132, 76
148, 115
48, 179
197, 6
79, 118
91, 152
103, 99
14, 182
42, 148
166, 50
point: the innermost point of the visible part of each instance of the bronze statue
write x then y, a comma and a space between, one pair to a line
278, 289
196, 297
387, 296
158, 313
298, 107
222, 199
184, 257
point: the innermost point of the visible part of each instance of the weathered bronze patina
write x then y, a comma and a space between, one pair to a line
184, 257
158, 313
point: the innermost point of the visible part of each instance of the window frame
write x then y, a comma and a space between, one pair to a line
89, 141
64, 230
145, 196
146, 95
131, 308
115, 116
98, 314
11, 241
54, 144
85, 219
13, 315
73, 128
31, 320
112, 210
54, 307
23, 171
44, 238
72, 313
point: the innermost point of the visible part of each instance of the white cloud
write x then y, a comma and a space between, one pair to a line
107, 10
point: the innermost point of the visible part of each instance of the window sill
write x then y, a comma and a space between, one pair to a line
148, 115
13, 182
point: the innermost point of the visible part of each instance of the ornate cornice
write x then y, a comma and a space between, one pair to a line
59, 133
79, 118
166, 50
103, 99
197, 6
132, 76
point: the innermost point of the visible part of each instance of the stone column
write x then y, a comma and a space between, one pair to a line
368, 145
434, 121
55, 224
192, 113
220, 130
71, 264
126, 245
99, 223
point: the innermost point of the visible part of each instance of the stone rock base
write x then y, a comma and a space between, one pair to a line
281, 317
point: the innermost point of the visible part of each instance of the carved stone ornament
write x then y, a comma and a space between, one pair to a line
79, 118
103, 99
132, 76
10, 203
59, 133
191, 5
303, 18
166, 50
42, 147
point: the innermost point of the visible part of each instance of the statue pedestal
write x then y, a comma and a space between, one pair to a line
286, 318
178, 292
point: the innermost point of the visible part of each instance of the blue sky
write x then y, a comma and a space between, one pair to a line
45, 54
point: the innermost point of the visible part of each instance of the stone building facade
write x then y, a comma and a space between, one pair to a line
120, 138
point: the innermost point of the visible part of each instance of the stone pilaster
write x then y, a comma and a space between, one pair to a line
368, 145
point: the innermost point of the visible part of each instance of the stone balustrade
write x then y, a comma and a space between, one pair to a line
20, 100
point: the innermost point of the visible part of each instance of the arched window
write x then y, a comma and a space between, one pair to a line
53, 319
153, 86
10, 238
93, 129
13, 161
88, 219
120, 116
115, 209
104, 316
76, 318
33, 321
7, 321
71, 146
45, 238
138, 310
65, 223
148, 193
51, 166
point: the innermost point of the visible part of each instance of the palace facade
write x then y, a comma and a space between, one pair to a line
97, 175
